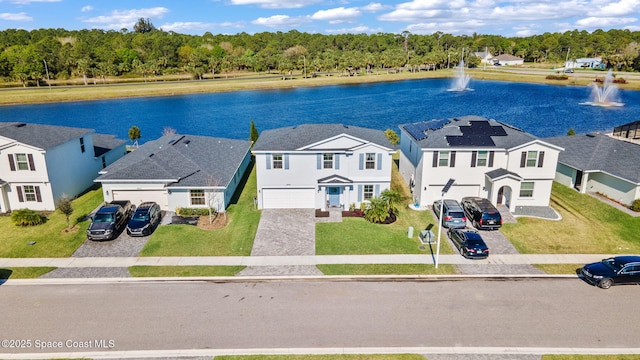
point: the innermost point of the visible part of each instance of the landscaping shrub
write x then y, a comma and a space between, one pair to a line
636, 205
557, 77
193, 211
26, 217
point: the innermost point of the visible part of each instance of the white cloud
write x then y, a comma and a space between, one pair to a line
279, 21
27, 2
119, 19
276, 4
374, 7
355, 30
619, 8
337, 15
86, 8
15, 17
604, 22
187, 27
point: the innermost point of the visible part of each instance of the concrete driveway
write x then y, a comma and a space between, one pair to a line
284, 232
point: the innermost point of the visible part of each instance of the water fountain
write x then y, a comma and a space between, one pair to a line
461, 80
606, 95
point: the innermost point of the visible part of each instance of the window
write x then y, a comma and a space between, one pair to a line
29, 193
444, 158
328, 161
197, 197
370, 162
368, 192
277, 161
526, 189
82, 144
482, 158
532, 156
22, 162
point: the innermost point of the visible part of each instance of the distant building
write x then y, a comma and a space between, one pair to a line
507, 60
628, 132
586, 63
485, 57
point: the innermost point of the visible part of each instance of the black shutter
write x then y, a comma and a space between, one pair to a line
474, 156
38, 196
491, 154
452, 161
540, 158
19, 191
523, 159
435, 159
12, 164
32, 166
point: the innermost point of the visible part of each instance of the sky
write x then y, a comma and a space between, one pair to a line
514, 18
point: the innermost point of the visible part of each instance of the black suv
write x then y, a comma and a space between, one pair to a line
482, 214
145, 219
469, 243
612, 271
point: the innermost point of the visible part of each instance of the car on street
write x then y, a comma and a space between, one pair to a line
145, 219
482, 214
453, 213
615, 270
469, 243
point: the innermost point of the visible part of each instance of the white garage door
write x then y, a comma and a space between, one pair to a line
139, 196
288, 198
457, 192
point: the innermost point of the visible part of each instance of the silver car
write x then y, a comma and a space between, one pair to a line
454, 216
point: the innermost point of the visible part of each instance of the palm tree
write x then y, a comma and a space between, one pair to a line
376, 211
393, 199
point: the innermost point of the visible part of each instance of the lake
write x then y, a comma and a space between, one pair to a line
543, 110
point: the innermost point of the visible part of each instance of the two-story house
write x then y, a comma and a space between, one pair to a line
486, 158
41, 163
321, 166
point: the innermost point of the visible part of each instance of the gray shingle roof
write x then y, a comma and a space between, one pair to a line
437, 138
500, 172
598, 152
41, 136
182, 160
103, 143
296, 137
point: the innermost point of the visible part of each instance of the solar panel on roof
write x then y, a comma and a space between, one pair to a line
419, 130
470, 140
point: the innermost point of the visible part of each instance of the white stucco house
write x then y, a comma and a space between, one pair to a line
598, 163
319, 166
486, 158
507, 60
41, 163
179, 171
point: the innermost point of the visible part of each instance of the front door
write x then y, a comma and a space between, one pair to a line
334, 196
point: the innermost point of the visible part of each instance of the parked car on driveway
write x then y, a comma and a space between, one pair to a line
482, 214
145, 219
453, 213
110, 220
469, 243
612, 271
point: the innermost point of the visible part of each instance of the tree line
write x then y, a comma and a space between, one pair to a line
33, 57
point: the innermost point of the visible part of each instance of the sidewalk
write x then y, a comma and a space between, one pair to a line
105, 262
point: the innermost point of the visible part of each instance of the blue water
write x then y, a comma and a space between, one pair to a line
543, 110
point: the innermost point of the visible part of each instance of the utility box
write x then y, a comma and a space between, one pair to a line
410, 232
426, 237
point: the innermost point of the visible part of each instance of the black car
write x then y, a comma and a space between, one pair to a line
144, 220
469, 243
612, 271
482, 214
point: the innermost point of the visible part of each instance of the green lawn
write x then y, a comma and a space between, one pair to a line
386, 269
173, 271
588, 226
235, 239
357, 236
49, 239
24, 272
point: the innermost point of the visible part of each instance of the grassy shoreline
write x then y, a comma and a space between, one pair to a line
44, 94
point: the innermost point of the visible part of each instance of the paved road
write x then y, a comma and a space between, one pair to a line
473, 315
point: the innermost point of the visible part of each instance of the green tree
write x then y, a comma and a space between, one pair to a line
571, 132
393, 199
64, 205
376, 211
392, 136
134, 135
253, 132
143, 26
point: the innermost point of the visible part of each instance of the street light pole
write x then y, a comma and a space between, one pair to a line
46, 69
444, 191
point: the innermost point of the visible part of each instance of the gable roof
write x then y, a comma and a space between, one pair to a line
41, 136
295, 137
103, 143
506, 57
181, 161
598, 152
466, 132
